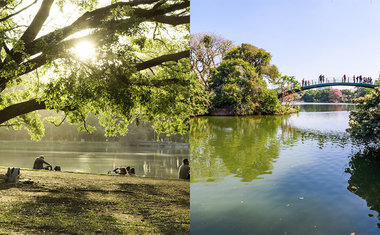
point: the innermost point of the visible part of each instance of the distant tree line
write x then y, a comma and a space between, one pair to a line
332, 95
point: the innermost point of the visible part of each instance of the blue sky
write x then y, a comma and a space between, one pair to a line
305, 37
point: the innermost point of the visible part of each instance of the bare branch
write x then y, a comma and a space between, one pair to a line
61, 121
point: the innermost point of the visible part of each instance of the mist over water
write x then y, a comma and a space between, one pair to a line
97, 154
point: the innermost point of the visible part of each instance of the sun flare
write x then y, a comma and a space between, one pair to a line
84, 50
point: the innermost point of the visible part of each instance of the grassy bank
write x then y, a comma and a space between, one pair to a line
71, 203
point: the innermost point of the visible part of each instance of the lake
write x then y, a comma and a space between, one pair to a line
293, 174
150, 159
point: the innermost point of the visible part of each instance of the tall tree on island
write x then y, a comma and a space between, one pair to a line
139, 70
238, 83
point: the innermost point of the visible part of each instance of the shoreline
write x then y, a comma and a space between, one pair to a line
78, 202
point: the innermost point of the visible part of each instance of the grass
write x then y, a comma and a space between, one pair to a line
70, 203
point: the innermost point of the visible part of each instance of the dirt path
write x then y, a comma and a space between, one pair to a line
73, 203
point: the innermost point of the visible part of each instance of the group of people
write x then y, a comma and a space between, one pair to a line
183, 171
360, 79
124, 171
323, 79
305, 82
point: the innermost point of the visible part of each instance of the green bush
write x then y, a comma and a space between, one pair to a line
365, 119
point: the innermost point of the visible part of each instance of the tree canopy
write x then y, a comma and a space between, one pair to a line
137, 72
238, 82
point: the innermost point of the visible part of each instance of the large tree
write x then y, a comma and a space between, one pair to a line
238, 82
207, 52
139, 70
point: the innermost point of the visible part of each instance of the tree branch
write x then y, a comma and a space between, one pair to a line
25, 107
20, 109
94, 19
36, 25
162, 59
33, 105
23, 9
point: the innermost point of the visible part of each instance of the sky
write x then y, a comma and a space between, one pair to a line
306, 38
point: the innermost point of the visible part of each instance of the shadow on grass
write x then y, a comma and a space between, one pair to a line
133, 208
58, 213
165, 209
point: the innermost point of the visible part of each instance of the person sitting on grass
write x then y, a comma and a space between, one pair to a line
132, 172
121, 170
184, 170
39, 163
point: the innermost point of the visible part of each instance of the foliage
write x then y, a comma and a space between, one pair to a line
364, 119
257, 58
139, 71
199, 97
335, 95
329, 95
288, 83
238, 82
207, 51
239, 88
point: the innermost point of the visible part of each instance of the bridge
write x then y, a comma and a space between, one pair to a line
327, 84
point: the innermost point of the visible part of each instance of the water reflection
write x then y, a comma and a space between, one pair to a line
247, 147
275, 175
324, 107
243, 146
364, 169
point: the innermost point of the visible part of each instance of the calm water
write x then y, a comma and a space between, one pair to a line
296, 174
97, 157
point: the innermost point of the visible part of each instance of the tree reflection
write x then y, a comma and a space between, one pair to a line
243, 146
364, 168
246, 146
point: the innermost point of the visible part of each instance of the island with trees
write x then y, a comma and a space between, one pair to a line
233, 80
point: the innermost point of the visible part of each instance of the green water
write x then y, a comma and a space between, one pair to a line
296, 174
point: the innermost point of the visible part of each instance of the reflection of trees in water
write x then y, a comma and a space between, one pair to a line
245, 146
325, 107
322, 138
364, 169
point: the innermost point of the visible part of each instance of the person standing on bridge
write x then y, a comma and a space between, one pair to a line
344, 78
